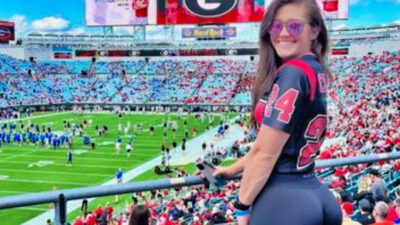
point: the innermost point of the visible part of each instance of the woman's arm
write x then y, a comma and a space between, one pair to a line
259, 165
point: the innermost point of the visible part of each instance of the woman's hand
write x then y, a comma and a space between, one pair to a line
243, 220
225, 172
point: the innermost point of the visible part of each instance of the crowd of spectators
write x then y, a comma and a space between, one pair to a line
188, 81
364, 118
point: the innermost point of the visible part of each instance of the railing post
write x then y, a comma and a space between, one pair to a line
60, 215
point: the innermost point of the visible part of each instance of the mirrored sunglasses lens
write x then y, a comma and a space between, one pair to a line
275, 27
294, 27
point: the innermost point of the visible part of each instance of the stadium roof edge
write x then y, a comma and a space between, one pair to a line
132, 36
367, 28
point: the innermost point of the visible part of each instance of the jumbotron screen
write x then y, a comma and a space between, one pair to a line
142, 12
7, 31
136, 12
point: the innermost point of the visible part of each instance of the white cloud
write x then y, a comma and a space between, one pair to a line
396, 22
21, 25
50, 24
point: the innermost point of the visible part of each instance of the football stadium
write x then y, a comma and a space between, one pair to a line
175, 112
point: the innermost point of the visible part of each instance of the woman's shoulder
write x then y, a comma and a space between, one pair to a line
289, 73
302, 63
301, 70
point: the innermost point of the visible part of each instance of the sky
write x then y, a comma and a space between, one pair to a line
68, 16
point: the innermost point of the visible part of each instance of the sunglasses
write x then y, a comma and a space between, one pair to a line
294, 27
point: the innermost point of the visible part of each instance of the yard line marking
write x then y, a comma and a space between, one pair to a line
49, 182
62, 164
15, 192
16, 155
87, 161
136, 152
125, 159
54, 172
33, 117
40, 164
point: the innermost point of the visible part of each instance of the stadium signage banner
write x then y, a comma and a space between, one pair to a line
220, 32
62, 55
62, 52
165, 52
340, 51
199, 52
85, 53
115, 53
7, 31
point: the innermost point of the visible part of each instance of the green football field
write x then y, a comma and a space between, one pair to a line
28, 169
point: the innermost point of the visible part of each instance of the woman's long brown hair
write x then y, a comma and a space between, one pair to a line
269, 60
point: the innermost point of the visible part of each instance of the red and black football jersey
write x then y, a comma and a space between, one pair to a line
296, 104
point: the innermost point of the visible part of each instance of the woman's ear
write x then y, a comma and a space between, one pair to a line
314, 32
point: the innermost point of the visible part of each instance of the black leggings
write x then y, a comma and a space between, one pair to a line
292, 199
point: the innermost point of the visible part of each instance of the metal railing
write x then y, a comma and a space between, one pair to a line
60, 197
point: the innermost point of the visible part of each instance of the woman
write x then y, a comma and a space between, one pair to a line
364, 190
289, 109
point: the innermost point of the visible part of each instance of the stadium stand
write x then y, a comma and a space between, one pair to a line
191, 81
364, 106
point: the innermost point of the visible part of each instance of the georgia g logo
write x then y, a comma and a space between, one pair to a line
209, 8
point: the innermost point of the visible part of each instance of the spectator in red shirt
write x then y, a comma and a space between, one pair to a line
78, 221
98, 211
110, 210
380, 213
90, 219
392, 214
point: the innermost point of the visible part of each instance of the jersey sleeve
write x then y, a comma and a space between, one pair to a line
287, 99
